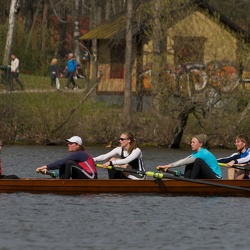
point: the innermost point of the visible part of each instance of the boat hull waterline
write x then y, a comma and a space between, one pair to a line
157, 186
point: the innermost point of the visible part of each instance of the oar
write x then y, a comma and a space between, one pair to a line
53, 174
146, 173
168, 176
245, 167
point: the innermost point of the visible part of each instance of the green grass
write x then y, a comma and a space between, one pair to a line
41, 82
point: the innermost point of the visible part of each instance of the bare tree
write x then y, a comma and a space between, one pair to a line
76, 31
187, 89
32, 27
9, 38
128, 64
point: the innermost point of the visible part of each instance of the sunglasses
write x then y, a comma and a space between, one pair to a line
122, 139
70, 143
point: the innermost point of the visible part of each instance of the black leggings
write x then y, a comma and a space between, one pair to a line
70, 76
12, 176
74, 171
199, 170
115, 174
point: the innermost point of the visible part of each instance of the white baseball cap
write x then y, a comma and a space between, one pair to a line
75, 139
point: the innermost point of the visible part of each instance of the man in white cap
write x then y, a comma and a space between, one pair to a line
78, 165
201, 164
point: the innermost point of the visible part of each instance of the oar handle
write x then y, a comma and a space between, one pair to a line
53, 174
174, 172
245, 167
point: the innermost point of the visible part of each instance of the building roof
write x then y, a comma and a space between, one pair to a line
116, 28
107, 30
223, 19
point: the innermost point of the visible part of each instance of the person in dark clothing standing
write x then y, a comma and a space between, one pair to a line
54, 71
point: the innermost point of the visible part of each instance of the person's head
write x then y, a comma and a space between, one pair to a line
70, 55
198, 141
13, 55
1, 145
75, 143
241, 142
128, 141
53, 61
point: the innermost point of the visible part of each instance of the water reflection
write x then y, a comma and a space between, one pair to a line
116, 221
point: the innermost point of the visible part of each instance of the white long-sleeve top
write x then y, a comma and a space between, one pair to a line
117, 152
15, 65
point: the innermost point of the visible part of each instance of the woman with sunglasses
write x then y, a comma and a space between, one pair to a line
78, 165
127, 156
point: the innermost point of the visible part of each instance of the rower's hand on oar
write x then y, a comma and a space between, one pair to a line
42, 169
230, 164
105, 165
163, 168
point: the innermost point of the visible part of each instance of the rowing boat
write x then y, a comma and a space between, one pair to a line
156, 186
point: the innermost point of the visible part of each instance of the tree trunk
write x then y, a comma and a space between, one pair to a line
44, 25
107, 9
139, 81
63, 31
179, 132
9, 37
156, 68
94, 21
76, 32
183, 119
32, 28
128, 62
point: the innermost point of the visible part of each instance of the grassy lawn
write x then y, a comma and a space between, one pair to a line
41, 82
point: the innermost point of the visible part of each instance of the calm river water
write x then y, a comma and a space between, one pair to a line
116, 221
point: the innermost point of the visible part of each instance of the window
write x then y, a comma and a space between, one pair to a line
189, 49
117, 54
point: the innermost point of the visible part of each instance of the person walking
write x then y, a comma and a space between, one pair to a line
15, 72
70, 71
54, 71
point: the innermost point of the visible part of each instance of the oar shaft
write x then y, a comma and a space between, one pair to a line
237, 166
147, 173
205, 182
168, 176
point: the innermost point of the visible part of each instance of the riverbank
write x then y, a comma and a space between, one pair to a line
41, 115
